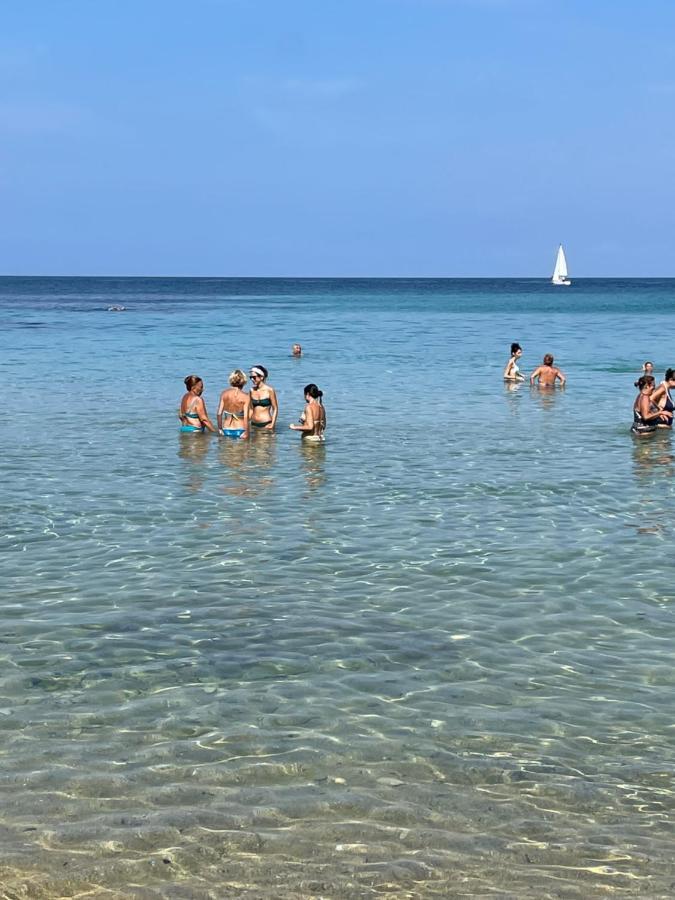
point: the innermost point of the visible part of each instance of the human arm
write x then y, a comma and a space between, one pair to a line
561, 377
221, 407
275, 407
659, 396
649, 415
247, 416
508, 370
535, 375
200, 409
307, 423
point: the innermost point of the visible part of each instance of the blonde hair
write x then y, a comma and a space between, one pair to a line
238, 378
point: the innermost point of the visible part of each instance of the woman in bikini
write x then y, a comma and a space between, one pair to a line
264, 406
512, 372
313, 420
662, 398
192, 414
234, 409
646, 415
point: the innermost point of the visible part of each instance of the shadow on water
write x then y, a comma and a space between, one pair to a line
192, 448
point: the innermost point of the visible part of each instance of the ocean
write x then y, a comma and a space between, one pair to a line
432, 657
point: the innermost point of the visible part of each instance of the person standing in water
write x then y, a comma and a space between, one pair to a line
662, 399
264, 405
512, 372
646, 415
547, 374
313, 420
234, 409
192, 414
647, 368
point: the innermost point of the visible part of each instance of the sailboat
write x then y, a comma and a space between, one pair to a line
560, 271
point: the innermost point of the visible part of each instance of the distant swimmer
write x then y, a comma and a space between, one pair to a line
296, 350
512, 372
547, 374
647, 368
662, 398
193, 416
234, 409
264, 405
646, 415
313, 420
117, 308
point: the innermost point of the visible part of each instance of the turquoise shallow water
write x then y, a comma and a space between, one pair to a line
430, 658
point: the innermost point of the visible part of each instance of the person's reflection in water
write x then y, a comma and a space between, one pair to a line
314, 459
193, 451
546, 397
511, 389
246, 462
654, 458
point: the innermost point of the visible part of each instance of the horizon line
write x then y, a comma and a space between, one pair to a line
355, 277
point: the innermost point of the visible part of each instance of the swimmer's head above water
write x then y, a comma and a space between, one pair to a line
296, 350
312, 392
194, 383
258, 373
648, 367
516, 350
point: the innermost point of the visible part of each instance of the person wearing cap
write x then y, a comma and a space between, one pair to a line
264, 405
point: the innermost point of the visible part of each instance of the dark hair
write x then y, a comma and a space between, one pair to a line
515, 348
313, 392
643, 381
191, 381
670, 374
548, 360
262, 369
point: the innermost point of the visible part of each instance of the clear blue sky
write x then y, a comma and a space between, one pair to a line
337, 137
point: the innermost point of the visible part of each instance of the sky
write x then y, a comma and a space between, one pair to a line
337, 137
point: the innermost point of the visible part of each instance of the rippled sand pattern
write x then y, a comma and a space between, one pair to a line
431, 658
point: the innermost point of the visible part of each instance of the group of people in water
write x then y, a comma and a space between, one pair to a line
653, 407
241, 412
546, 375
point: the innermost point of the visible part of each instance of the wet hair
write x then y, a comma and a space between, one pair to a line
644, 381
515, 348
670, 375
237, 378
313, 392
646, 363
262, 369
191, 381
548, 360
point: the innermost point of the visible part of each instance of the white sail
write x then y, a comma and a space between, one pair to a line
560, 271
